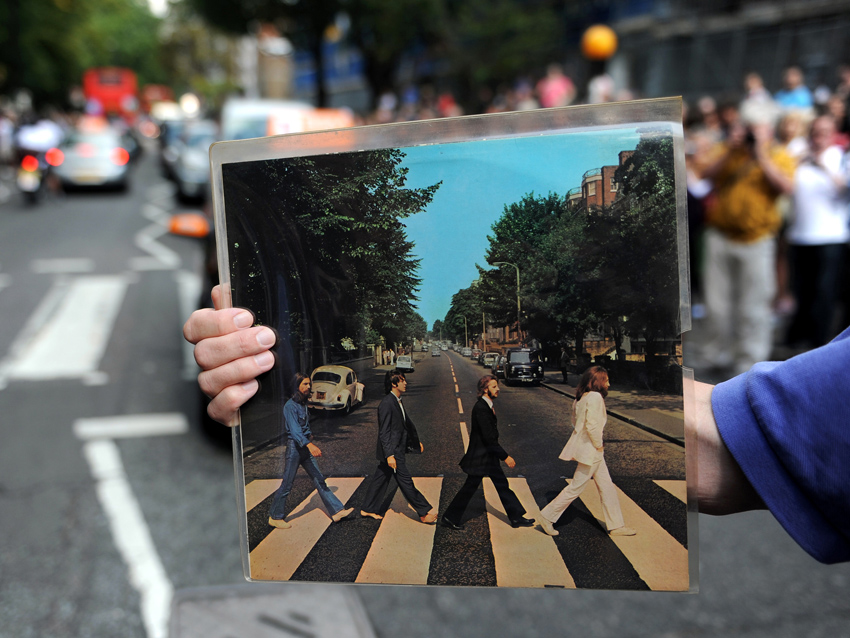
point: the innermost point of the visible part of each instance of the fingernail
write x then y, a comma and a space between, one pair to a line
266, 337
264, 359
243, 320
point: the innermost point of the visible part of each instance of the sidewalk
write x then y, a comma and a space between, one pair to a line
660, 414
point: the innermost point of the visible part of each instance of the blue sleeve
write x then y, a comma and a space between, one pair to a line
788, 426
292, 418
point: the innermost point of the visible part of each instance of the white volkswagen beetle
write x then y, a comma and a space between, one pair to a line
335, 388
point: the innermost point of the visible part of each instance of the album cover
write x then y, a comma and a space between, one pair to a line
479, 374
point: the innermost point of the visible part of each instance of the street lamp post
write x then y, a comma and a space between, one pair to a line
465, 333
518, 305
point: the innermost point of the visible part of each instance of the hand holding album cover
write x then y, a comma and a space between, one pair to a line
456, 300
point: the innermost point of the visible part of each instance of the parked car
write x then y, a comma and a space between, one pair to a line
488, 358
523, 365
192, 167
466, 352
498, 367
404, 363
95, 155
474, 354
335, 388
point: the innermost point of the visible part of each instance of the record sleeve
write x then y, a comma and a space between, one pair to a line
442, 291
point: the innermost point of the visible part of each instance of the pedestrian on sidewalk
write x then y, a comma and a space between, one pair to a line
564, 364
301, 451
586, 447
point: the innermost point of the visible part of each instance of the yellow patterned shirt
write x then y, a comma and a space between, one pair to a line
744, 204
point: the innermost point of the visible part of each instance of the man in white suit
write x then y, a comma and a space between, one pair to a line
586, 447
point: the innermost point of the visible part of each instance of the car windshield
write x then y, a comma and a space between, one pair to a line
330, 377
524, 357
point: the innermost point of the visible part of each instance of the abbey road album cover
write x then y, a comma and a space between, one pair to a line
479, 372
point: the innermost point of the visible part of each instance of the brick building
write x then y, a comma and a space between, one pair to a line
598, 187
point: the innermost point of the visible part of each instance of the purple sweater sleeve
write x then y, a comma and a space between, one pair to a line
788, 426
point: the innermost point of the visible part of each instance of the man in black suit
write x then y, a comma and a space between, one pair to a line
483, 458
396, 436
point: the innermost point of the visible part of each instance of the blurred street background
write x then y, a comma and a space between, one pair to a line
116, 494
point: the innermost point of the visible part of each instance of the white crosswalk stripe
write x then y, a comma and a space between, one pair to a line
524, 556
282, 551
400, 551
657, 557
679, 489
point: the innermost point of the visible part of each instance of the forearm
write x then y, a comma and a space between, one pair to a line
722, 487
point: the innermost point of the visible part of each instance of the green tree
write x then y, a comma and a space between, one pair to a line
466, 45
47, 44
646, 228
329, 229
517, 239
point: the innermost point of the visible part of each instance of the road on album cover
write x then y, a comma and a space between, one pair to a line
489, 552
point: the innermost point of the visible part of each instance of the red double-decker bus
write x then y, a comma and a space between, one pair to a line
111, 91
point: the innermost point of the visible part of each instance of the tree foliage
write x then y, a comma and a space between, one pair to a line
611, 271
341, 263
459, 45
47, 44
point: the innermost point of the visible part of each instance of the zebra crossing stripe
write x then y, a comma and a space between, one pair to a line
282, 551
525, 557
77, 325
401, 550
258, 490
679, 489
657, 557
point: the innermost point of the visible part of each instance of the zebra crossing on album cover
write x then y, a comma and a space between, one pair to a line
400, 550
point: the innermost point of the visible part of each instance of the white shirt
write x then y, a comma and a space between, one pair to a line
820, 212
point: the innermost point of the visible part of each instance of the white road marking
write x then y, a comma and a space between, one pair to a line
524, 557
401, 550
131, 426
679, 489
188, 293
256, 491
464, 435
161, 257
62, 266
657, 557
131, 535
68, 334
283, 550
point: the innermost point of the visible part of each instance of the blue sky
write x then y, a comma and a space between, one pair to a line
479, 179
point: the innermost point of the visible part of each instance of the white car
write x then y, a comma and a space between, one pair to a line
335, 388
404, 363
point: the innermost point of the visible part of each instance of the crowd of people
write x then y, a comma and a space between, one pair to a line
768, 209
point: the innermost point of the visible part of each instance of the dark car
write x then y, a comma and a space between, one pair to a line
523, 365
498, 367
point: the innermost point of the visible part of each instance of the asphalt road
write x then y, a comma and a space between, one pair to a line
63, 571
